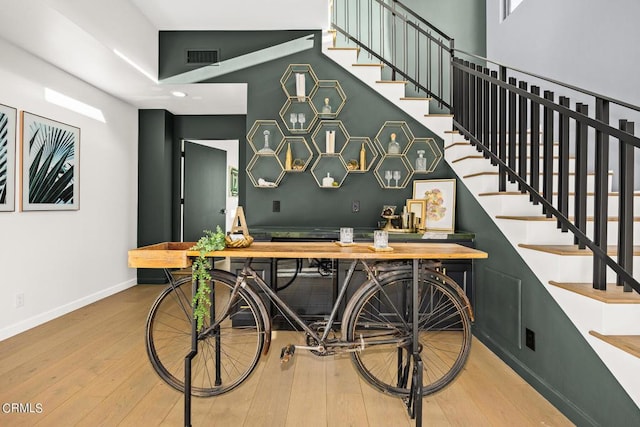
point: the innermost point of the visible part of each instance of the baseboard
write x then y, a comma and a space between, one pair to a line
41, 318
557, 399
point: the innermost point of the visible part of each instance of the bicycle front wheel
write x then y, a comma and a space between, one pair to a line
380, 317
226, 355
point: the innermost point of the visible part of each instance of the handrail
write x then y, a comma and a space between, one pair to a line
491, 108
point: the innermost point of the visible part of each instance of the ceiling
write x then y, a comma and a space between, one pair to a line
81, 37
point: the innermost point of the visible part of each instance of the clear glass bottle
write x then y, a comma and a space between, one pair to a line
394, 146
326, 108
421, 162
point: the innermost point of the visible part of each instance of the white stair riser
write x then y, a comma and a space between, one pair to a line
415, 108
457, 151
460, 142
392, 91
367, 74
481, 164
438, 124
547, 233
520, 205
567, 268
343, 57
489, 183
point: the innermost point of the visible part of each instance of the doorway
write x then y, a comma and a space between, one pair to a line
205, 186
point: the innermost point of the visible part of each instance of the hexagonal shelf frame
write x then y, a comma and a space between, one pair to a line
258, 140
266, 167
351, 154
404, 136
432, 153
288, 80
329, 164
300, 152
393, 162
328, 92
292, 106
319, 137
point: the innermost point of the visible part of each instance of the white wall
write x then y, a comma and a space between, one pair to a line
64, 260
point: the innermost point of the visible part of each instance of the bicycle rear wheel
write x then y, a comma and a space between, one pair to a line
382, 319
226, 356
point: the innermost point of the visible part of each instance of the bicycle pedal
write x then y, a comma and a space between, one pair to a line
287, 353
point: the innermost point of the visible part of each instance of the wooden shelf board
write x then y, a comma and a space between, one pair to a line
572, 250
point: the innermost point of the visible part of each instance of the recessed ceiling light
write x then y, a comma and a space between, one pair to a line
178, 94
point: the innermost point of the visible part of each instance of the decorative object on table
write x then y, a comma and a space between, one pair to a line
326, 108
363, 158
288, 160
233, 181
328, 181
389, 214
330, 141
440, 199
8, 117
50, 164
201, 302
238, 236
421, 162
418, 207
264, 183
394, 146
300, 87
353, 165
408, 220
266, 149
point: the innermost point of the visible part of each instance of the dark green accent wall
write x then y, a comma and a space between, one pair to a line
154, 183
509, 298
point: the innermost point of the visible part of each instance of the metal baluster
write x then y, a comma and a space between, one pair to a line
494, 115
522, 140
512, 128
502, 137
625, 204
472, 101
535, 142
547, 166
465, 97
580, 197
486, 139
479, 108
601, 189
563, 166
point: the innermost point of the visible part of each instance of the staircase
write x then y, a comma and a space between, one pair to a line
608, 319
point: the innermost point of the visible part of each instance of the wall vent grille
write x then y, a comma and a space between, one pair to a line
201, 56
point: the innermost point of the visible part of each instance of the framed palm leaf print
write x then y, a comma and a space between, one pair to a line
50, 154
7, 158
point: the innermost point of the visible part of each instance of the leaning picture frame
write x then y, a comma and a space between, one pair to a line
233, 181
50, 160
8, 117
440, 200
419, 209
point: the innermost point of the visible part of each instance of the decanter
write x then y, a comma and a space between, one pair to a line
394, 146
326, 108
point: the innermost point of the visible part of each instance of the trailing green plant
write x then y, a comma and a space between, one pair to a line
200, 273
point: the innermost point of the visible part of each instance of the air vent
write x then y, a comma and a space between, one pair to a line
199, 56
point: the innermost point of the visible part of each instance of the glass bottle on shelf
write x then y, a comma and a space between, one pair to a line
421, 162
288, 160
266, 149
394, 146
363, 158
326, 108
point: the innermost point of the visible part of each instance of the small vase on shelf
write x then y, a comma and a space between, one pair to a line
363, 158
327, 181
421, 162
394, 146
288, 160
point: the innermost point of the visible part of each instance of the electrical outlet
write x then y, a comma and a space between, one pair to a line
19, 300
530, 339
276, 206
355, 206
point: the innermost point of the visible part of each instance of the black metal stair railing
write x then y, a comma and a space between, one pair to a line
495, 107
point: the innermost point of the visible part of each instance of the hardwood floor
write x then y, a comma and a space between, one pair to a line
90, 368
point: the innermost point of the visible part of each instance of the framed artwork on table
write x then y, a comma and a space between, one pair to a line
7, 158
50, 160
419, 209
440, 200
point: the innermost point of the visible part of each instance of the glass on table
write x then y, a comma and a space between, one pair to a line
380, 239
346, 235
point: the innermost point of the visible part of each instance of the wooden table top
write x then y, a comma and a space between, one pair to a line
177, 254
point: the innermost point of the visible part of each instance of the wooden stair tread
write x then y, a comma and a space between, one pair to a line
342, 48
627, 343
613, 295
368, 65
453, 144
572, 250
544, 218
439, 115
404, 82
480, 156
416, 98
